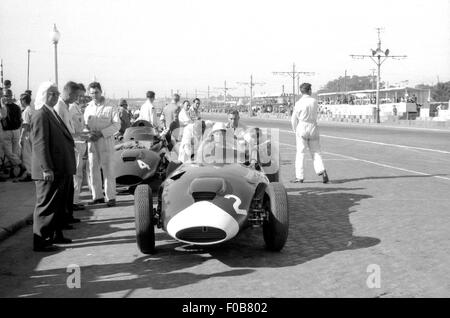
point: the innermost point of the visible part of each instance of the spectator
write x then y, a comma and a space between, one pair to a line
194, 110
148, 111
76, 111
69, 95
124, 116
183, 116
168, 113
53, 162
11, 122
103, 122
25, 141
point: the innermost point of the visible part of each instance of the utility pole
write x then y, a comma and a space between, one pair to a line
1, 71
28, 70
378, 57
373, 77
250, 84
225, 89
294, 75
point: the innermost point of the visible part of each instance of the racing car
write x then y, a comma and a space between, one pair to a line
141, 156
207, 202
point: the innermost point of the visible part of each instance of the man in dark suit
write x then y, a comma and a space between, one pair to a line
53, 162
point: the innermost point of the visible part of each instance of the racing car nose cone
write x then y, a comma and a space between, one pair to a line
202, 223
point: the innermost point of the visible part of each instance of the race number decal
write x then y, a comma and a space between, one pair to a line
236, 204
143, 165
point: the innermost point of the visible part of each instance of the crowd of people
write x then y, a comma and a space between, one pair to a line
65, 136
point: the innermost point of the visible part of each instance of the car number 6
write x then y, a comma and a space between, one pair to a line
236, 204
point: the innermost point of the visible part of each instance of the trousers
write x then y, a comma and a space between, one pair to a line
80, 151
304, 144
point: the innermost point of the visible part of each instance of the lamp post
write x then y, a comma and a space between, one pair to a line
28, 69
378, 56
55, 35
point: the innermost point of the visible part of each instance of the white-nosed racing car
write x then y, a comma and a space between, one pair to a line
211, 199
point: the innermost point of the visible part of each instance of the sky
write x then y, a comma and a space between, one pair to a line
132, 46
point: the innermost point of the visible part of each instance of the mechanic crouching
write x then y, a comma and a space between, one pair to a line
103, 122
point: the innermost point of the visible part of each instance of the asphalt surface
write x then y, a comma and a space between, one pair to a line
386, 207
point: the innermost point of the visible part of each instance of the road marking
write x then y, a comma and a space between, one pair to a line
378, 164
377, 143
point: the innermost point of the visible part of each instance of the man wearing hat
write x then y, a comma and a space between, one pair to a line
124, 116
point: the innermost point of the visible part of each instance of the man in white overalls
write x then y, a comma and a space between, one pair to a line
103, 122
304, 124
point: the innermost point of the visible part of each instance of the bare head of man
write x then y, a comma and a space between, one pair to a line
305, 88
176, 98
233, 118
70, 92
95, 91
52, 96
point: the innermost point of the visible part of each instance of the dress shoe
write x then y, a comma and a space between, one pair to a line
96, 201
297, 181
73, 220
324, 176
43, 245
111, 203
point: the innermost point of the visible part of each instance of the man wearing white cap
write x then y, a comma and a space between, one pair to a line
103, 122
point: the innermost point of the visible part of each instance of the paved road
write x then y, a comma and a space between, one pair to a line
386, 208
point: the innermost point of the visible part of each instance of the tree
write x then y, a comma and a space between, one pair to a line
439, 92
351, 83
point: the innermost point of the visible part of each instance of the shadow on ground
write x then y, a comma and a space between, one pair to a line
319, 225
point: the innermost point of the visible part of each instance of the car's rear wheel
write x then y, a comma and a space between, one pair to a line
276, 228
143, 210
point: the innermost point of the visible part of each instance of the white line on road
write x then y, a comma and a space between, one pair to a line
378, 164
377, 143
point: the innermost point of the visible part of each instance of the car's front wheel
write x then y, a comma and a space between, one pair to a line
143, 211
276, 228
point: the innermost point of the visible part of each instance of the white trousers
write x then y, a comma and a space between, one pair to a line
313, 145
26, 154
101, 160
80, 150
11, 145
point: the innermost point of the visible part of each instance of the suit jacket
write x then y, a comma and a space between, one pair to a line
52, 146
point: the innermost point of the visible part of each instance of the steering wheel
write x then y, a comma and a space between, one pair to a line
141, 123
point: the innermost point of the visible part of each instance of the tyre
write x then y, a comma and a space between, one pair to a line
276, 228
143, 211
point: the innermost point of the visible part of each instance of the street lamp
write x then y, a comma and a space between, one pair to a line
55, 35
28, 69
378, 56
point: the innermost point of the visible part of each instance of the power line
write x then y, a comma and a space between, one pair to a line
294, 75
250, 84
225, 89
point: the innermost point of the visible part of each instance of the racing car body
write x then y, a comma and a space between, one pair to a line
206, 202
140, 157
